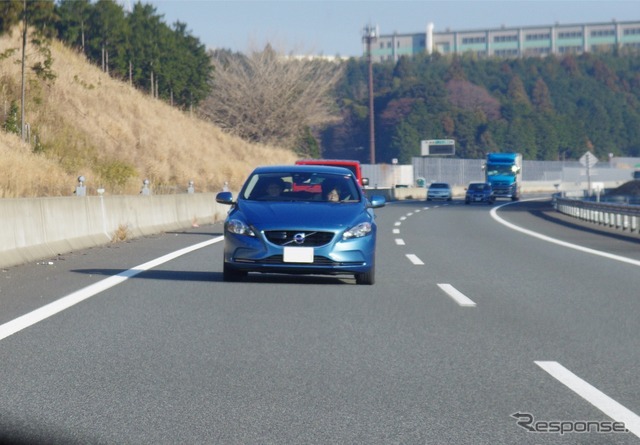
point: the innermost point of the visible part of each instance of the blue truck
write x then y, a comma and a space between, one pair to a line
504, 172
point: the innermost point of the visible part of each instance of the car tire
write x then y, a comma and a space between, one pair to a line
466, 202
231, 274
366, 277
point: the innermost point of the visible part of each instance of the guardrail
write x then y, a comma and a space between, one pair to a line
614, 215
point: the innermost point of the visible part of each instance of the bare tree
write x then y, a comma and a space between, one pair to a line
468, 96
271, 99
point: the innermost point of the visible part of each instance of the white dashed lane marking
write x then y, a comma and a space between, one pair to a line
457, 296
414, 259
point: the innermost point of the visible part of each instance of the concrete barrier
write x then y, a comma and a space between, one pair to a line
38, 228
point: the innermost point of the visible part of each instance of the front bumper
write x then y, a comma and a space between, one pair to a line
438, 197
505, 191
479, 198
338, 257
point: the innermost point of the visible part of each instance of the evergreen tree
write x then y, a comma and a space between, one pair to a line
107, 37
10, 14
144, 48
12, 122
74, 17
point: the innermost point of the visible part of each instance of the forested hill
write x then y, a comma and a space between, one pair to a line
547, 108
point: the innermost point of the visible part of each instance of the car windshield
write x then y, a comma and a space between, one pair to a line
478, 187
298, 186
500, 169
439, 186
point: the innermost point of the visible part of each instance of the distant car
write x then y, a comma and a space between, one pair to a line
285, 220
479, 192
439, 191
354, 166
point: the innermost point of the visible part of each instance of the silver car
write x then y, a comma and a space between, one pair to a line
439, 191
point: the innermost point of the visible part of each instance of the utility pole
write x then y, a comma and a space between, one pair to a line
369, 35
24, 56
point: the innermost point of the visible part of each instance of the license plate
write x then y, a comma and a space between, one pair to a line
298, 255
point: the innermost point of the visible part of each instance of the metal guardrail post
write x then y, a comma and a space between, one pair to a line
620, 216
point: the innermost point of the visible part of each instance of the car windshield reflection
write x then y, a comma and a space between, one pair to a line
313, 187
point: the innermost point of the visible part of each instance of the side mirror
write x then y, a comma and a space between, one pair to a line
377, 201
365, 182
224, 198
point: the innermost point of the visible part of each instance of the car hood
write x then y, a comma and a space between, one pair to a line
302, 215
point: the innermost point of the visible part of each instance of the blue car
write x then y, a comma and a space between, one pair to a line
479, 192
300, 219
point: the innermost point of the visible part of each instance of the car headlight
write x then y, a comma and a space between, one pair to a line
358, 231
239, 228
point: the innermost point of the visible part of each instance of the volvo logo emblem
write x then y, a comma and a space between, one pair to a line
299, 238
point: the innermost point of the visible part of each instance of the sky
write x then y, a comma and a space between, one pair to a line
334, 27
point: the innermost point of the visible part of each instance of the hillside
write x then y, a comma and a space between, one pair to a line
86, 123
547, 108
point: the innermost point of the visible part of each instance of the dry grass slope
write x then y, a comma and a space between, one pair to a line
113, 134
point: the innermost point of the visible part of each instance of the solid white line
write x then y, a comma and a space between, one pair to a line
594, 396
399, 241
495, 216
414, 259
76, 297
458, 296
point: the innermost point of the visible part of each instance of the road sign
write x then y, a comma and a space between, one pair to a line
588, 159
438, 147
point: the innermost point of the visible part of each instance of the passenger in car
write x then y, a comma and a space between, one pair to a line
333, 195
269, 189
331, 191
274, 189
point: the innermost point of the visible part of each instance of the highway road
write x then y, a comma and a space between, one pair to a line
496, 324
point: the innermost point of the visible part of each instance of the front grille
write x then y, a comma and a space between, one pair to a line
317, 261
311, 239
